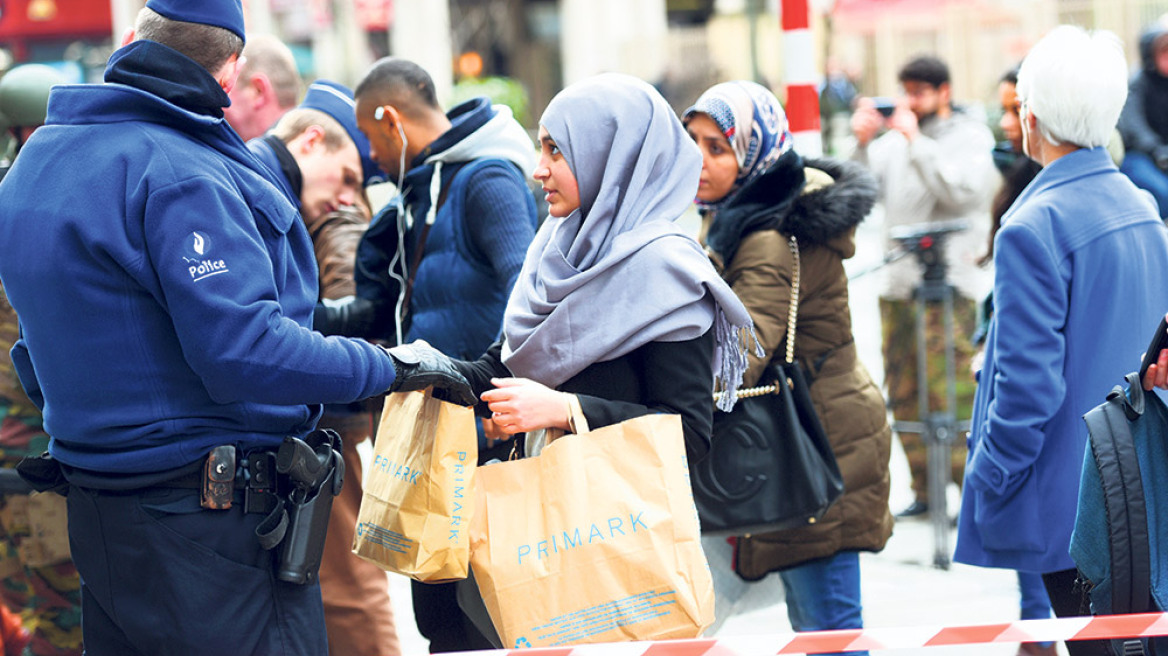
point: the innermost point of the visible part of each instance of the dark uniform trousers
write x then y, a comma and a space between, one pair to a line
163, 576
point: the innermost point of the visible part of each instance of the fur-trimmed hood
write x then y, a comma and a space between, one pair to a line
818, 201
821, 214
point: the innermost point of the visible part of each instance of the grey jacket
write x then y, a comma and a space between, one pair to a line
946, 174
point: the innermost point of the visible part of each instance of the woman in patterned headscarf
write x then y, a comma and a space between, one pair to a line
761, 203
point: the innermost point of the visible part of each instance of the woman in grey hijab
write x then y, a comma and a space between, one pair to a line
616, 308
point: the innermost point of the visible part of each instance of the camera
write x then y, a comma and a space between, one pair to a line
926, 240
886, 106
920, 235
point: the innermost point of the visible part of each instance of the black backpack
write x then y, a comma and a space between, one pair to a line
1123, 563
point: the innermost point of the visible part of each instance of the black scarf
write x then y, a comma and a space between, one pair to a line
760, 205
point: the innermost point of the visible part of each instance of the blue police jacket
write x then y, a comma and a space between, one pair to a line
1079, 285
164, 285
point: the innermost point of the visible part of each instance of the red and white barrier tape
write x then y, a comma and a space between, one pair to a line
818, 642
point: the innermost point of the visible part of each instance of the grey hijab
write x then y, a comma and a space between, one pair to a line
617, 273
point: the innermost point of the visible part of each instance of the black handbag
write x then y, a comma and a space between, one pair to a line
770, 466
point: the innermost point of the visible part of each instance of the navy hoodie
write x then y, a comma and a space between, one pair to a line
164, 285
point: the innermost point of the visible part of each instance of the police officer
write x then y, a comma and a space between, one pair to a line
318, 150
165, 289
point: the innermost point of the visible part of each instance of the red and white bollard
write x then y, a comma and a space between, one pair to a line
801, 77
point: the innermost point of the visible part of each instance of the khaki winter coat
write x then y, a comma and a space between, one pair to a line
836, 197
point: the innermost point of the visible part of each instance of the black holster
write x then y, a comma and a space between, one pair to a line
40, 473
311, 473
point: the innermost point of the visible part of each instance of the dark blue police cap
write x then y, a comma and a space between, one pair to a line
227, 14
336, 100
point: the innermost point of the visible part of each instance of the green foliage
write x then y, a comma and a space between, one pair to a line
501, 90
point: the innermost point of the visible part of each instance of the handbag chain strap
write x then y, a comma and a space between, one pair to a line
792, 316
793, 309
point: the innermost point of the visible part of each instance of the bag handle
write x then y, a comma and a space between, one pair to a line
577, 423
792, 319
576, 416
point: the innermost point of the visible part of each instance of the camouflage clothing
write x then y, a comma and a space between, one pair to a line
47, 595
898, 321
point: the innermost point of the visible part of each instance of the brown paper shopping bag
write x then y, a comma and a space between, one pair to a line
416, 510
594, 540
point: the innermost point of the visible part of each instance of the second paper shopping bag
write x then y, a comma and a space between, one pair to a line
594, 540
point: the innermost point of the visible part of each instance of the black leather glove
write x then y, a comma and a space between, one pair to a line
1160, 157
419, 366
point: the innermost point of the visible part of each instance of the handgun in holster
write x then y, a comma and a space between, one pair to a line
312, 472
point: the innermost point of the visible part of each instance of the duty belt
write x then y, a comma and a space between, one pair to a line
254, 473
294, 486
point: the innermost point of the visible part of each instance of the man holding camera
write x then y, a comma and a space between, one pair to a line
934, 166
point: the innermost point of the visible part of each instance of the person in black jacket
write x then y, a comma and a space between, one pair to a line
1144, 122
615, 307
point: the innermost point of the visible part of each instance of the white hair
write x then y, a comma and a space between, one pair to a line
1075, 84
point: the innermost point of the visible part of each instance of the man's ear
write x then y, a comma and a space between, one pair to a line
391, 123
387, 116
308, 140
228, 74
263, 89
127, 36
946, 92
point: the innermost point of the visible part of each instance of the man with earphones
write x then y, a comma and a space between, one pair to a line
439, 262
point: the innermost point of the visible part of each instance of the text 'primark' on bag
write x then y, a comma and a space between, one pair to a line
459, 489
398, 472
574, 539
404, 473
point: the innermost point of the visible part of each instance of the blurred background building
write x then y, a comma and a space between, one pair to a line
523, 51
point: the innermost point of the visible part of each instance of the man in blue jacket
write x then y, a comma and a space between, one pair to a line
439, 262
318, 150
165, 288
1078, 284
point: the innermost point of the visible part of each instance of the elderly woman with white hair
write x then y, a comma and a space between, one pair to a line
1078, 266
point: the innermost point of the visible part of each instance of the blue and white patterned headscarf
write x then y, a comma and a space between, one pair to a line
754, 123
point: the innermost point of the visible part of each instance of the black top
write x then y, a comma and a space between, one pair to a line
659, 377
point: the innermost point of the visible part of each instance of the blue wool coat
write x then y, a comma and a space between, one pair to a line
164, 284
1081, 282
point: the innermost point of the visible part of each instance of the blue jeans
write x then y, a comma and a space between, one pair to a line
1146, 175
824, 594
1035, 602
